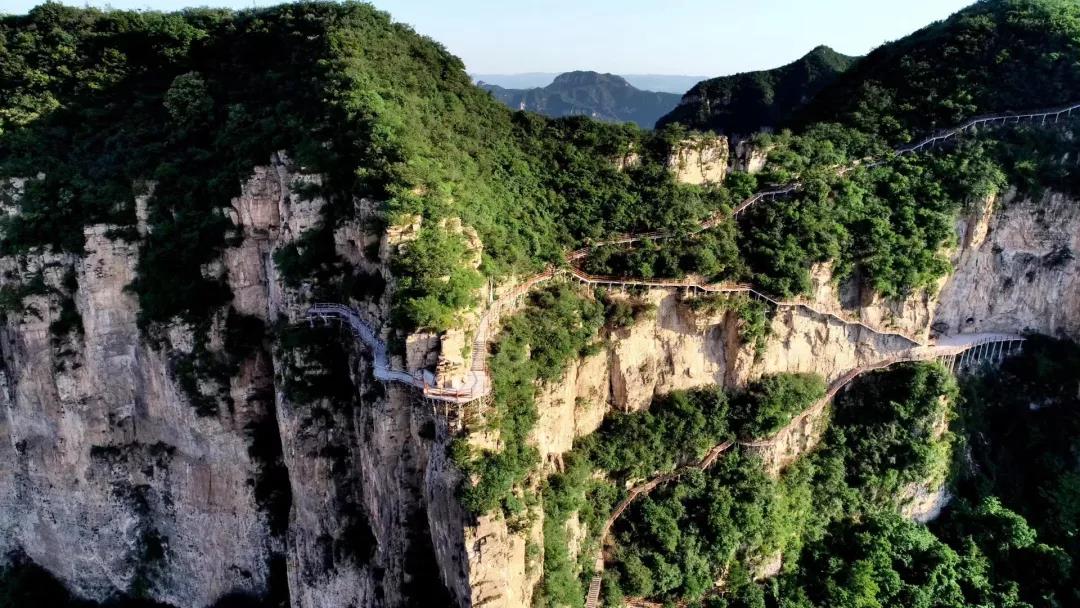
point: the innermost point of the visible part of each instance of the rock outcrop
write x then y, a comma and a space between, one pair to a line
1017, 269
700, 159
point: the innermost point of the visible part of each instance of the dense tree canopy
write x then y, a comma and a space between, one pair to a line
994, 56
743, 104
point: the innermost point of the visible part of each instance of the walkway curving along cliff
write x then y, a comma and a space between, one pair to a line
477, 383
1043, 117
954, 352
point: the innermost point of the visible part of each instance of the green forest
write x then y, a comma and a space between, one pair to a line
106, 104
829, 529
101, 107
743, 104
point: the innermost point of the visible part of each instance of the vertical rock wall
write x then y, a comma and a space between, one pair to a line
111, 481
700, 159
114, 483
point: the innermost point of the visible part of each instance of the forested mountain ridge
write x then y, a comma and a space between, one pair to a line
743, 104
996, 55
662, 83
604, 97
178, 190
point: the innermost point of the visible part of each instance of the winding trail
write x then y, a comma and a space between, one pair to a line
1040, 116
953, 351
477, 384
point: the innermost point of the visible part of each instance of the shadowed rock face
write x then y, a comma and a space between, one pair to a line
1017, 269
113, 482
604, 97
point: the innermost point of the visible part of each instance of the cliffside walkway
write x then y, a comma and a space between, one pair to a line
954, 353
1041, 116
695, 287
477, 384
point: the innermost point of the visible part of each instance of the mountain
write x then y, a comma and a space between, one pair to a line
663, 83
524, 80
744, 103
604, 97
293, 314
996, 55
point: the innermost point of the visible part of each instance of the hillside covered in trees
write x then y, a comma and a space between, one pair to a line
605, 97
103, 110
744, 104
997, 55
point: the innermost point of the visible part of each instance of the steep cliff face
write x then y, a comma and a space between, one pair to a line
118, 484
1016, 270
700, 159
113, 481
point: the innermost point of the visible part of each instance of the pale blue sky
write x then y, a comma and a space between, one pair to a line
706, 37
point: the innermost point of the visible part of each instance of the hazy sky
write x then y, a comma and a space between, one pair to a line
698, 37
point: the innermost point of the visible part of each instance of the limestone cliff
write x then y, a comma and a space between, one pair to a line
117, 483
111, 480
700, 159
1016, 269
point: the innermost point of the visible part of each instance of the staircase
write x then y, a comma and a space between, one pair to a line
593, 599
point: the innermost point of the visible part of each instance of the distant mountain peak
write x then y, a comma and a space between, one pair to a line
589, 78
607, 97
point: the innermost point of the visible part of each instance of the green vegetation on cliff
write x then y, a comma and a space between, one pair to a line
104, 103
675, 432
535, 347
885, 226
830, 524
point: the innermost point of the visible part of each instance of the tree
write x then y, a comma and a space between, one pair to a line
188, 99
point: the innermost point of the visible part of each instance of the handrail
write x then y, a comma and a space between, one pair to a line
646, 487
795, 186
478, 382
